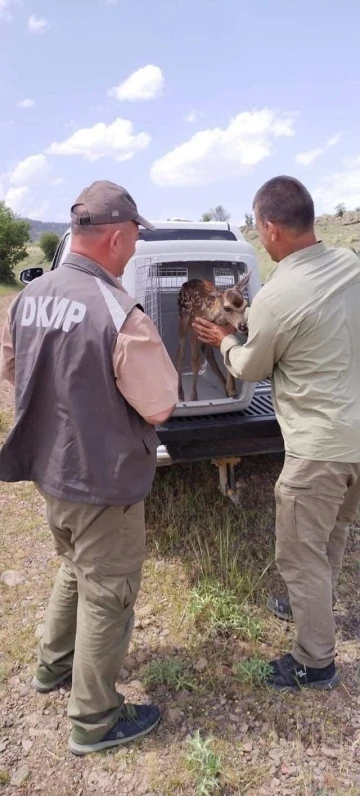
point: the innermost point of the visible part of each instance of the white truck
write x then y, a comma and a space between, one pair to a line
215, 427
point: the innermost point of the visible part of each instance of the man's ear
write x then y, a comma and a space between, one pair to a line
273, 230
116, 239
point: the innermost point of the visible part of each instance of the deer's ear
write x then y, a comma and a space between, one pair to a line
243, 281
210, 288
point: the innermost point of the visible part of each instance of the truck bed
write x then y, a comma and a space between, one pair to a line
250, 432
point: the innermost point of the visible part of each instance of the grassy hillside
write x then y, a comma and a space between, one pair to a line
34, 257
38, 227
333, 231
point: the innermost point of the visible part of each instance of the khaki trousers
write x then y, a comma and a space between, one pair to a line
90, 616
315, 503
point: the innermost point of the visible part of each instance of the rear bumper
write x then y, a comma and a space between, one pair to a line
254, 431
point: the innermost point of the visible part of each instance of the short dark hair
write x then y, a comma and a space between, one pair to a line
285, 200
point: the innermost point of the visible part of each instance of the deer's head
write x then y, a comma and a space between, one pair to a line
232, 305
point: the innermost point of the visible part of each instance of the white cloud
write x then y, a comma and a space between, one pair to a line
37, 24
31, 169
191, 117
219, 153
4, 9
145, 84
21, 202
116, 140
26, 103
57, 181
17, 198
306, 158
334, 139
342, 186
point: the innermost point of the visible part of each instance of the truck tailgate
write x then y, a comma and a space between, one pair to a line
253, 431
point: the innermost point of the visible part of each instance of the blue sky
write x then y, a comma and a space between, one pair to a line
187, 103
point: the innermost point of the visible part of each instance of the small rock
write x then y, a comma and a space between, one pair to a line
333, 754
201, 665
247, 747
141, 656
20, 776
14, 680
244, 727
33, 719
11, 578
135, 684
144, 612
174, 715
275, 754
3, 746
27, 745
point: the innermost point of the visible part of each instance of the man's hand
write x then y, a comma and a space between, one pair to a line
210, 333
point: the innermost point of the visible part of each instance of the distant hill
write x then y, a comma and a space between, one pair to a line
334, 231
38, 227
344, 231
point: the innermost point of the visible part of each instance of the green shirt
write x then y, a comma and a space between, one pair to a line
304, 330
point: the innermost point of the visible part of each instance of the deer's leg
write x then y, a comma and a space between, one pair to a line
183, 328
195, 363
210, 358
228, 384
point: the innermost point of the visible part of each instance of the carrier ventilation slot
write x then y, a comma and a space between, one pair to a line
152, 281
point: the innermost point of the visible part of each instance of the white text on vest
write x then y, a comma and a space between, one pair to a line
52, 311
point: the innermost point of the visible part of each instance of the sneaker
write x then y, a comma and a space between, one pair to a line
280, 607
288, 675
44, 686
133, 722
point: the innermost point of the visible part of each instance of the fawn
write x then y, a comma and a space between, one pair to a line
201, 299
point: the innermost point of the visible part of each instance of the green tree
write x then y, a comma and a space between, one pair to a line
49, 242
249, 219
217, 213
339, 210
14, 235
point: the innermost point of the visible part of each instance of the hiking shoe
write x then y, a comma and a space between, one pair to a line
133, 722
280, 607
288, 675
44, 686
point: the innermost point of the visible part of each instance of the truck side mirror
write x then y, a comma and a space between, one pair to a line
29, 274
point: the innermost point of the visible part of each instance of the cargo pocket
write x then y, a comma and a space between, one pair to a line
115, 587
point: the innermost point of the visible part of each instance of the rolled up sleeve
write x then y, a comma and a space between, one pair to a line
7, 356
267, 341
144, 372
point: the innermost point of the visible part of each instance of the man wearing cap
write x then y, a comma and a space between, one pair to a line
92, 378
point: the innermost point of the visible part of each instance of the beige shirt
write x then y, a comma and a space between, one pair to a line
143, 370
304, 330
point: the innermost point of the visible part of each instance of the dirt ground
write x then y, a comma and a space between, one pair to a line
186, 654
